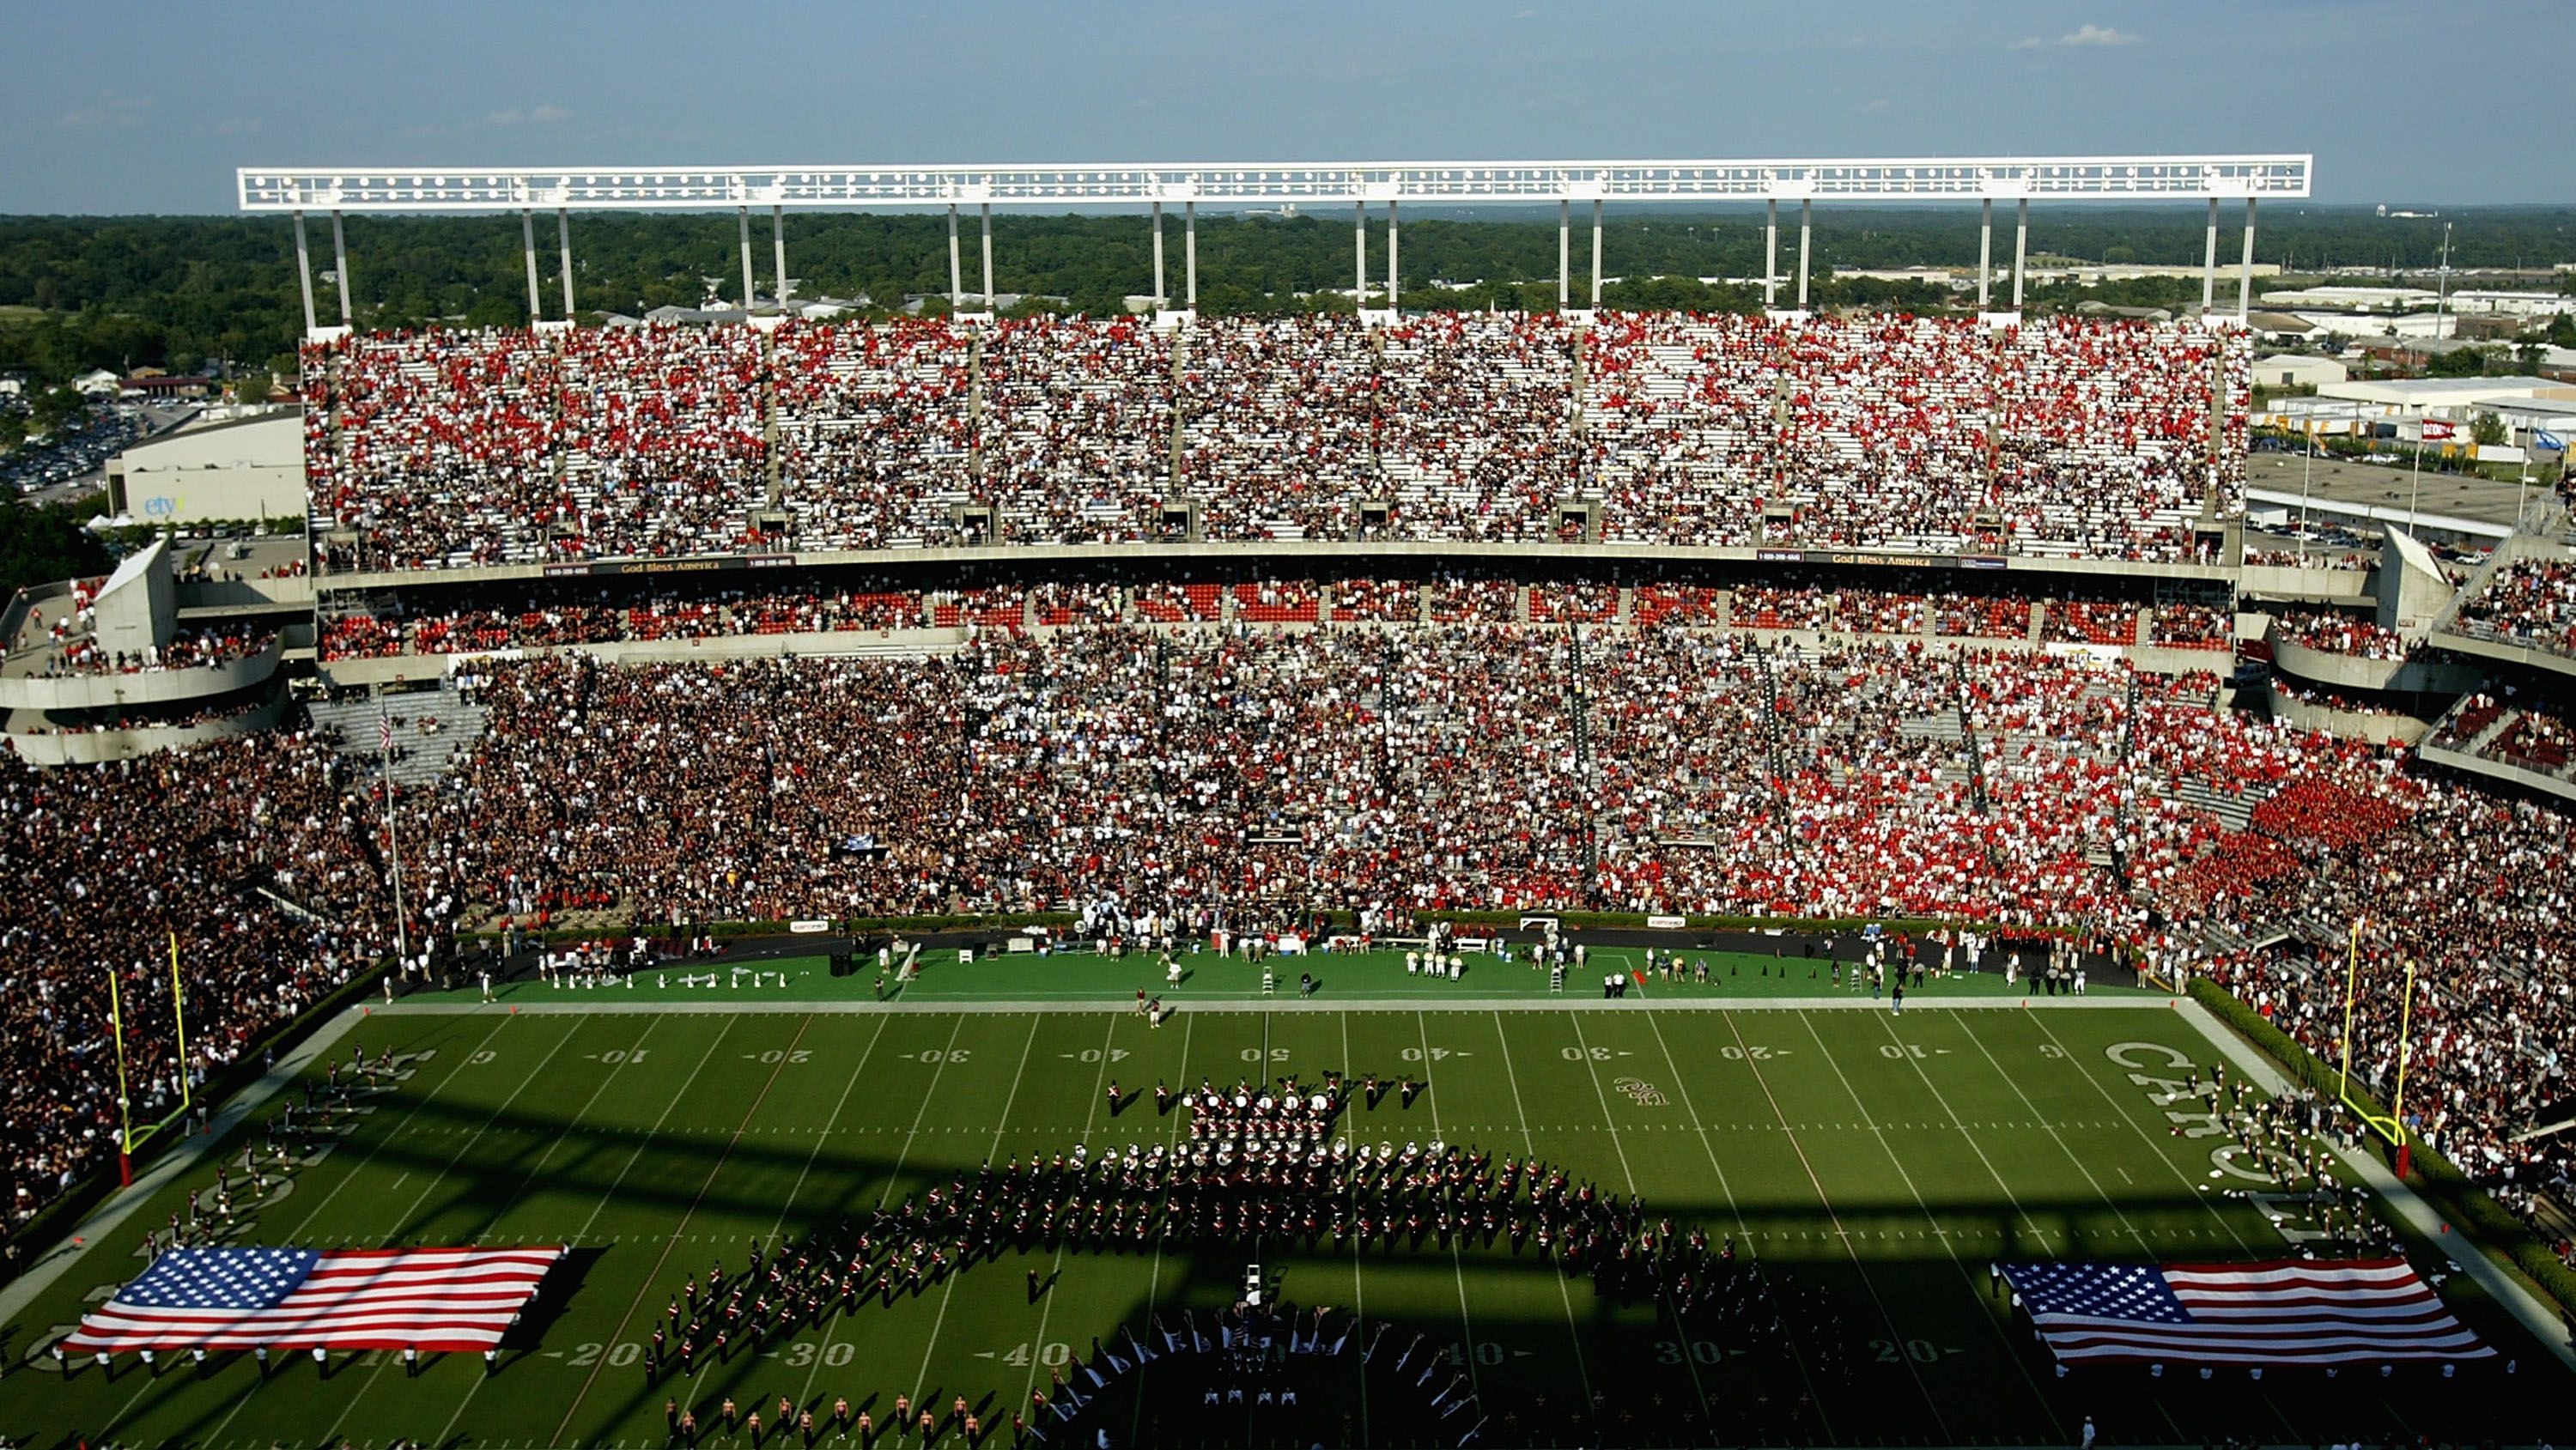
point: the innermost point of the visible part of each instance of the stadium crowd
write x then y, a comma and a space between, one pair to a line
2529, 601
1236, 774
466, 447
177, 850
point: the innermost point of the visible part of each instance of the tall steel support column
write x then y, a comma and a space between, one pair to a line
956, 268
563, 245
988, 257
2209, 262
742, 216
1158, 256
304, 271
1596, 254
340, 267
1770, 250
2021, 245
1806, 232
1359, 254
2245, 268
1391, 302
528, 244
1985, 248
778, 247
1190, 255
1564, 253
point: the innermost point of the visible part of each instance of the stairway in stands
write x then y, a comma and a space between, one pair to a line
419, 757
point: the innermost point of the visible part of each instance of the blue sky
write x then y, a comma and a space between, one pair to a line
112, 108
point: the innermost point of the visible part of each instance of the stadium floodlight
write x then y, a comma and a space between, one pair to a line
1852, 179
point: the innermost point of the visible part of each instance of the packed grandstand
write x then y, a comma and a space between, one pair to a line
2065, 437
1317, 732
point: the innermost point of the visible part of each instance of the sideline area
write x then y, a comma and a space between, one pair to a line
948, 979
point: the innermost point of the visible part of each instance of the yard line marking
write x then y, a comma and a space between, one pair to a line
856, 1072
1736, 1210
1457, 1256
1529, 1145
1835, 1217
930, 1345
1154, 1285
1090, 1115
1359, 1301
913, 1134
600, 1087
645, 1285
1610, 1124
619, 1182
2010, 1351
463, 1059
832, 1327
2046, 1127
1887, 1024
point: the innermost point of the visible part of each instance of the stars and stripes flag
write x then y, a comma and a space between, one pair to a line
385, 731
2288, 1311
294, 1299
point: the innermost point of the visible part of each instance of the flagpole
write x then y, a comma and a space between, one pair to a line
393, 831
2415, 491
2307, 472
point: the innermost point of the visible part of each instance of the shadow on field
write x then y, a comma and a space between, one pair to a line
554, 1294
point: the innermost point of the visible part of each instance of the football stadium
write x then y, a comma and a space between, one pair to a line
1393, 876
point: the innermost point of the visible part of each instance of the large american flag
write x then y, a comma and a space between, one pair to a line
288, 1299
2288, 1311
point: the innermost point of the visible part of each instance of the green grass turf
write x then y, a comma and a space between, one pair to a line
1341, 977
1887, 1158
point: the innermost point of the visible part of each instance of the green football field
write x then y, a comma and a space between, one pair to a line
1882, 1159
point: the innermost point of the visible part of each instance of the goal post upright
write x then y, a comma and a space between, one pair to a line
124, 1095
2392, 1124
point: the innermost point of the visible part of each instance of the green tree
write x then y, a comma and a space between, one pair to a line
2487, 431
40, 545
2459, 362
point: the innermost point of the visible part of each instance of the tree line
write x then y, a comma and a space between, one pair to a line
182, 292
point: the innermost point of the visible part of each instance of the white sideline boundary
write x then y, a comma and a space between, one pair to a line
117, 1207
2534, 1312
610, 1003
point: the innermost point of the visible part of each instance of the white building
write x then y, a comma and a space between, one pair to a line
2454, 399
2291, 370
250, 469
